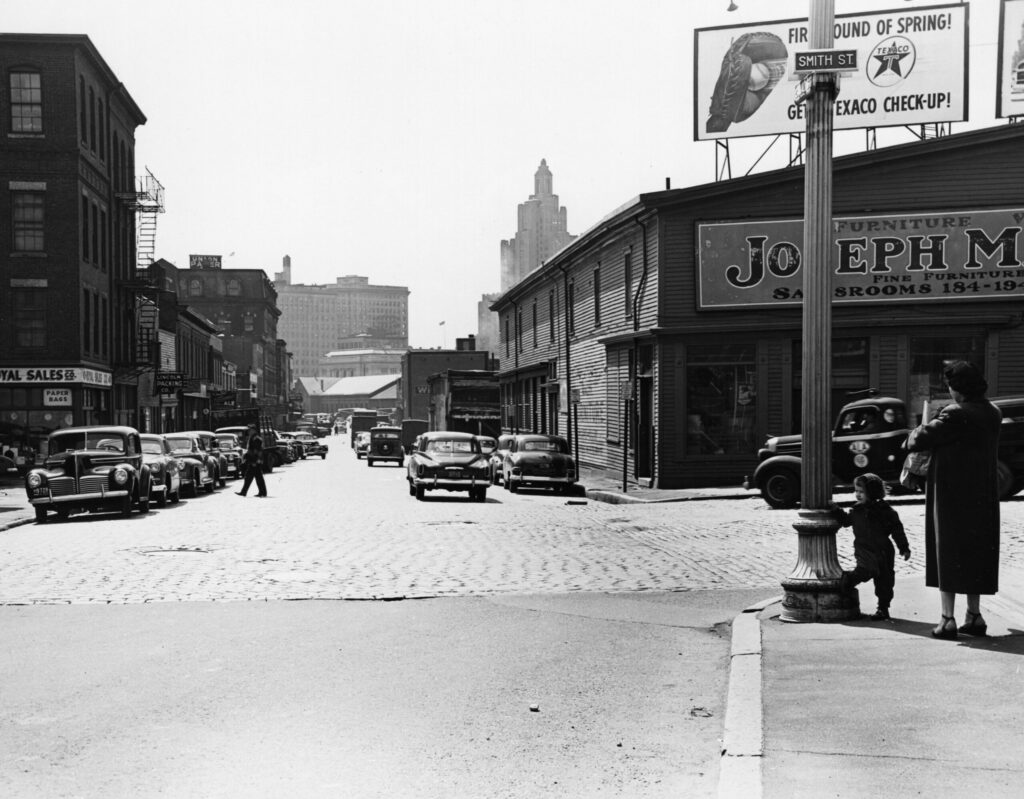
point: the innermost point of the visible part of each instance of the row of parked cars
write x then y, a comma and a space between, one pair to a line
451, 461
116, 468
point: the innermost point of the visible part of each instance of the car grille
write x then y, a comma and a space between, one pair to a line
92, 484
62, 486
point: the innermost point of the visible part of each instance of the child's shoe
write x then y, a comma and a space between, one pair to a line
882, 614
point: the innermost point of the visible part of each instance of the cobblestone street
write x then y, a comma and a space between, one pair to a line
336, 529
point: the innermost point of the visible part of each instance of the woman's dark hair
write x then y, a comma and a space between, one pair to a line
965, 378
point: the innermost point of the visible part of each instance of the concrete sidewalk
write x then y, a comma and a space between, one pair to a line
868, 709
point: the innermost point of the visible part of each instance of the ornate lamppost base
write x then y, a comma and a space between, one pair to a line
813, 592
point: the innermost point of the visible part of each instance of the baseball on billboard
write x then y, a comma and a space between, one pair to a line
910, 68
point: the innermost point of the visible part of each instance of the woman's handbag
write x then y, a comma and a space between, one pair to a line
914, 474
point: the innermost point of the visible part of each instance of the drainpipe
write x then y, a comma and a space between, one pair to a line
516, 333
637, 302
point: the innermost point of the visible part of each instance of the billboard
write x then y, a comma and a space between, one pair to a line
911, 69
957, 255
204, 261
1010, 69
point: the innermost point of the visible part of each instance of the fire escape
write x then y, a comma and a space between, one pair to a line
141, 295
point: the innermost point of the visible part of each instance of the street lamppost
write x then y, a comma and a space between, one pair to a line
812, 591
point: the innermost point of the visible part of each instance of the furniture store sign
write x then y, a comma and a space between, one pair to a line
960, 255
47, 374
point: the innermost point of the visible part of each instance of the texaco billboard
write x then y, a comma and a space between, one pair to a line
912, 69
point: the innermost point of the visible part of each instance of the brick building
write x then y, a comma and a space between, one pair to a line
69, 298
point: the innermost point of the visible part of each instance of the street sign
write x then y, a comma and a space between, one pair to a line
825, 61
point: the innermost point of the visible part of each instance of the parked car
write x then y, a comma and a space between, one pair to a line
293, 449
385, 445
497, 459
539, 460
232, 451
311, 445
868, 436
448, 461
196, 464
165, 480
208, 441
90, 469
487, 445
362, 443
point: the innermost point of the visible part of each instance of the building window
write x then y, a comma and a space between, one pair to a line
928, 359
616, 376
551, 315
519, 330
94, 224
535, 324
720, 399
234, 288
195, 288
26, 102
102, 131
597, 296
96, 340
29, 311
627, 282
85, 228
83, 124
28, 221
104, 329
86, 321
92, 119
570, 307
104, 253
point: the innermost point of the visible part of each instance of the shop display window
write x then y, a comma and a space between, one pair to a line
928, 358
720, 400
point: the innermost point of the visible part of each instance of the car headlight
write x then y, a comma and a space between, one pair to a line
156, 468
120, 476
34, 480
481, 464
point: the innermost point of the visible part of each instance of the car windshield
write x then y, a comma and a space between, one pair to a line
179, 443
227, 441
449, 446
72, 441
151, 447
543, 445
385, 435
488, 445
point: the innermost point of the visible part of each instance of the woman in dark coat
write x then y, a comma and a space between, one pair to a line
962, 498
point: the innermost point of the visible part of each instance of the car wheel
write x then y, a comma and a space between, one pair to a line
126, 505
1005, 481
513, 486
781, 488
63, 514
222, 480
144, 504
494, 477
193, 487
412, 489
323, 457
40, 515
369, 461
208, 488
419, 492
175, 498
161, 500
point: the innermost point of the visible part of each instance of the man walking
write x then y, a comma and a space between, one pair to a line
254, 464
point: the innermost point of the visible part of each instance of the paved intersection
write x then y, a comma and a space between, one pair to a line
336, 529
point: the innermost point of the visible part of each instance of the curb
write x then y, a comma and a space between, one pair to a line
17, 523
616, 498
739, 772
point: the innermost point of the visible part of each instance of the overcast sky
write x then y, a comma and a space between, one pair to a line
395, 138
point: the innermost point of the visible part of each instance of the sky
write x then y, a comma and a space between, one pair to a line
394, 139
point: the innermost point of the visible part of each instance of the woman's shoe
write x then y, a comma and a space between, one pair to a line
945, 629
974, 625
882, 614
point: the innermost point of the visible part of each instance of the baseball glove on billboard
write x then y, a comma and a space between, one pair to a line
751, 67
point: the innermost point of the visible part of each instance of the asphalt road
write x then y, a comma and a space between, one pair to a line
558, 649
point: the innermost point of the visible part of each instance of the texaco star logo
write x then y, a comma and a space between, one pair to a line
891, 61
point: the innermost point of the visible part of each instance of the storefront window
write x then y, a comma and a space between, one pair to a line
928, 357
720, 400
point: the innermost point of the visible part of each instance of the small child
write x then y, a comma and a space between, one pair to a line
874, 522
